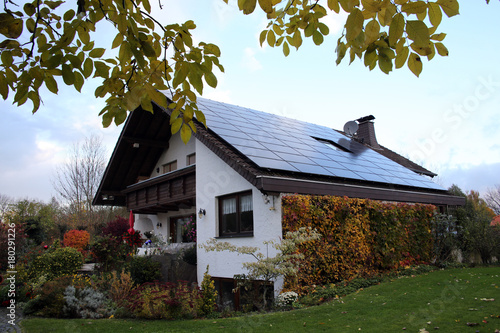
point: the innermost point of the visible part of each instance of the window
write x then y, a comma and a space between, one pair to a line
172, 166
191, 159
333, 145
236, 215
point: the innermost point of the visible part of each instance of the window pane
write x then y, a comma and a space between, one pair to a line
229, 223
246, 221
246, 203
229, 206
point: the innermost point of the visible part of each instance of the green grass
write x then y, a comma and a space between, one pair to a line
443, 301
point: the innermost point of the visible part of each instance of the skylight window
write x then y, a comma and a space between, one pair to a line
332, 145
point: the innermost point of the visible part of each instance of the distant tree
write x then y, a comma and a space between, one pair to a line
5, 202
45, 40
77, 180
475, 234
493, 199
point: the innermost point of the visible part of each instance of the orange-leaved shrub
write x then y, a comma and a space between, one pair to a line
78, 239
360, 237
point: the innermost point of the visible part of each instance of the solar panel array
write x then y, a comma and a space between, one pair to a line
280, 143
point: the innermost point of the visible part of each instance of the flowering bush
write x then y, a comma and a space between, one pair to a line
189, 230
287, 299
60, 262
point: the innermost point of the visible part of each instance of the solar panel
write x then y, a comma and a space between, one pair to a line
279, 143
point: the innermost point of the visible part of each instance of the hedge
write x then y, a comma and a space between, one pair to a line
361, 237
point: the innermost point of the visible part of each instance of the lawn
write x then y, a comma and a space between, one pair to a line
455, 300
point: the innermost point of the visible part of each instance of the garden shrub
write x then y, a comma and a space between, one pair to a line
116, 227
144, 269
60, 262
360, 237
189, 255
48, 300
120, 287
78, 239
165, 301
110, 252
208, 295
85, 303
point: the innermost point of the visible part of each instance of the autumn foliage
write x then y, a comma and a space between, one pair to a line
78, 239
360, 237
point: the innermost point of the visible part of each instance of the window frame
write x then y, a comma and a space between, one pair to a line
191, 159
238, 233
169, 165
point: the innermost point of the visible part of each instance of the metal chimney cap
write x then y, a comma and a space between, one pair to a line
365, 119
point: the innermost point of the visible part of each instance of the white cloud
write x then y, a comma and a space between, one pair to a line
250, 61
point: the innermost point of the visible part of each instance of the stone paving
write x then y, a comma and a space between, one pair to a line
5, 325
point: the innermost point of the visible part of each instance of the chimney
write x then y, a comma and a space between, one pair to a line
366, 131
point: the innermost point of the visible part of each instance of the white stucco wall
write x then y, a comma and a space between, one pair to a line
177, 151
215, 178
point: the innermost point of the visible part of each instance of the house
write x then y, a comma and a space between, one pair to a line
230, 177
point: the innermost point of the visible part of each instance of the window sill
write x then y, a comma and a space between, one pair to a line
235, 236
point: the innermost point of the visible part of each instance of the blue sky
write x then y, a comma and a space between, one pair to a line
446, 120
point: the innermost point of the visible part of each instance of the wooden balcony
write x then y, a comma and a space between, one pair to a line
169, 192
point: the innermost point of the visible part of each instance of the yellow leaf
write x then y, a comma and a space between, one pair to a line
401, 57
211, 79
372, 31
440, 37
396, 29
441, 49
450, 7
185, 133
266, 5
414, 7
334, 5
286, 49
176, 125
415, 64
435, 14
354, 24
271, 38
418, 32
247, 6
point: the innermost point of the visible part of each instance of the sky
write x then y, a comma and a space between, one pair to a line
446, 120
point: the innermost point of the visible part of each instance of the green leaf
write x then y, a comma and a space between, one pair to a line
354, 24
334, 5
271, 38
439, 37
102, 70
450, 7
29, 9
286, 49
262, 37
266, 5
372, 31
211, 79
68, 16
418, 32
78, 81
97, 52
212, 49
10, 26
68, 75
317, 37
370, 57
4, 87
396, 29
200, 116
7, 58
247, 6
117, 41
51, 83
88, 67
415, 64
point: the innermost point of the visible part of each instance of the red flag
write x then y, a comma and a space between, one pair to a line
131, 222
